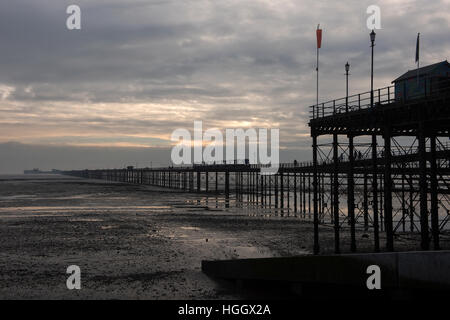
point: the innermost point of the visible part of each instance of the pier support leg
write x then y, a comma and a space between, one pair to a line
388, 191
336, 195
304, 195
375, 193
288, 191
434, 195
256, 188
281, 190
227, 189
199, 176
276, 190
403, 199
366, 204
262, 178
295, 193
309, 196
217, 181
236, 185
351, 193
270, 190
315, 198
423, 189
411, 206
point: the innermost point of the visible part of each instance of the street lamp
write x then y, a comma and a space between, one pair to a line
372, 36
374, 159
347, 68
372, 40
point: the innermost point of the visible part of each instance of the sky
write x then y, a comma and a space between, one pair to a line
112, 93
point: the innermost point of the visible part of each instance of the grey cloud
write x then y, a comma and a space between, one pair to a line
227, 60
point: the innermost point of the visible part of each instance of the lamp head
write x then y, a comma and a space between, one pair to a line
347, 67
372, 36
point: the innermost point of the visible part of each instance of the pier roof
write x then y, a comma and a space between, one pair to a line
422, 71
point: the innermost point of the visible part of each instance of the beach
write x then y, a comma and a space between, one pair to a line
135, 241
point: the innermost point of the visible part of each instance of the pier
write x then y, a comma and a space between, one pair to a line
383, 169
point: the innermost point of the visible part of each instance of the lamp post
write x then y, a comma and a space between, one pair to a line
372, 40
350, 178
347, 68
374, 159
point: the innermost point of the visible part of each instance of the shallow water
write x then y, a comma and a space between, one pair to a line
130, 241
134, 241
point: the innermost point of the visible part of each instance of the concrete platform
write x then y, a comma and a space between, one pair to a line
400, 270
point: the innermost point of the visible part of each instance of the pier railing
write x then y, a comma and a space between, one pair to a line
355, 102
430, 87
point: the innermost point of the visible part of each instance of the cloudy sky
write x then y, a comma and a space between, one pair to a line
138, 69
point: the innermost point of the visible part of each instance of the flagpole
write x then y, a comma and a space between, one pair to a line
319, 40
418, 66
317, 87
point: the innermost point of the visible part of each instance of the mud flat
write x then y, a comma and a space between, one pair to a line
133, 242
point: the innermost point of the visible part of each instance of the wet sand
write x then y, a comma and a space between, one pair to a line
134, 242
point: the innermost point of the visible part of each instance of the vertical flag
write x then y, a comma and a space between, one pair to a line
418, 56
319, 37
417, 49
